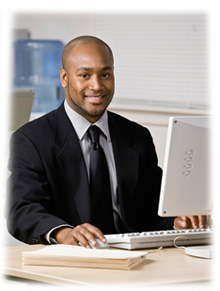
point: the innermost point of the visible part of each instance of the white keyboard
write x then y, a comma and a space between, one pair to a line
156, 239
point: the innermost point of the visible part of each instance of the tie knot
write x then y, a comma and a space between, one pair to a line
94, 133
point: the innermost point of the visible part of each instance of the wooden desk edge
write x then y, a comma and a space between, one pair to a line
33, 282
169, 286
28, 277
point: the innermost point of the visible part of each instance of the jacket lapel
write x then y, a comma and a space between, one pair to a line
71, 161
127, 162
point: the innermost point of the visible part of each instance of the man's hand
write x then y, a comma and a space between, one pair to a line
83, 234
192, 222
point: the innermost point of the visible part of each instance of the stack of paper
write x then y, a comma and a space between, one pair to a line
70, 256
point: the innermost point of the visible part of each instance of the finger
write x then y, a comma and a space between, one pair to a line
202, 221
87, 234
83, 236
95, 231
181, 222
83, 241
209, 221
194, 221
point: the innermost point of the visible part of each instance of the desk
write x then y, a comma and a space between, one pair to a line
167, 266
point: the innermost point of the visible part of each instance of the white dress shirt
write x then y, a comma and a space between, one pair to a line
81, 126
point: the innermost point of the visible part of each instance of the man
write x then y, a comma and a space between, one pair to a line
51, 199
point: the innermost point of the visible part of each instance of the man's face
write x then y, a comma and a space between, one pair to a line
89, 80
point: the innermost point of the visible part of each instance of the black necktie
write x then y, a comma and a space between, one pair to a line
101, 201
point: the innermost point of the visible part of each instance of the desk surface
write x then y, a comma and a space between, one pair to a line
167, 266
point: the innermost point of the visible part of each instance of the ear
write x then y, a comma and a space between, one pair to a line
63, 78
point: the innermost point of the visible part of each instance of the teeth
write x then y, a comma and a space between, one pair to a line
94, 97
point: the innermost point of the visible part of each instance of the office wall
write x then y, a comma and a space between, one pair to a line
175, 63
159, 58
63, 26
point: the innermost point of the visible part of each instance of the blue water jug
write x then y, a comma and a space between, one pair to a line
37, 66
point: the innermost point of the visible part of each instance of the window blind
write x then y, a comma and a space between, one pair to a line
159, 58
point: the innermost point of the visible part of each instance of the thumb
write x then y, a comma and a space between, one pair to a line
181, 222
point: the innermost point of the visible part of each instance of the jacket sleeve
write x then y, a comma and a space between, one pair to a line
28, 209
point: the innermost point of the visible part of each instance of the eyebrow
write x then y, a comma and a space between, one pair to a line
90, 69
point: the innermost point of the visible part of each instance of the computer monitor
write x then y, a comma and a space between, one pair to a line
21, 100
186, 187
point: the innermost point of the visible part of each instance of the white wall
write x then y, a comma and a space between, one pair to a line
62, 27
159, 58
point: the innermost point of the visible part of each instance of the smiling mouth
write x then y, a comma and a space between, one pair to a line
94, 97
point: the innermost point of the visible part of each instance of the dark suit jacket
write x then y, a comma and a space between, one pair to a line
49, 184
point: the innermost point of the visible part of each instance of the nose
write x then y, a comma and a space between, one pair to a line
95, 83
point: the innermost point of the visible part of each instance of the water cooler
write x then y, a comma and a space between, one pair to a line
37, 66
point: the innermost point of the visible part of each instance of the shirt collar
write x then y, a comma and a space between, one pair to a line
81, 124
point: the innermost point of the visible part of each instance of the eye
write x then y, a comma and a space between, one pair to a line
105, 75
84, 76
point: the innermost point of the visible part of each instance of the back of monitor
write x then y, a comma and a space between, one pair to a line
21, 101
186, 188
